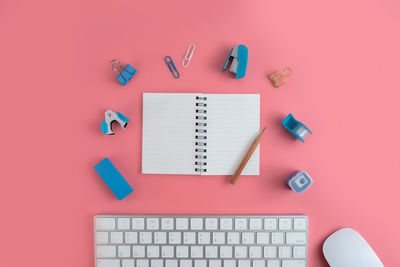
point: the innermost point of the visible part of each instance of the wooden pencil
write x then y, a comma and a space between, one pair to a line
246, 158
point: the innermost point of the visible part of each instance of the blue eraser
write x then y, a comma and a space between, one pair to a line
299, 181
113, 179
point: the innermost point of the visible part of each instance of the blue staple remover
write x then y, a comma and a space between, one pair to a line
299, 181
110, 117
124, 74
295, 127
239, 61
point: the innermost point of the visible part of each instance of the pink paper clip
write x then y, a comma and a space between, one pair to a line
279, 77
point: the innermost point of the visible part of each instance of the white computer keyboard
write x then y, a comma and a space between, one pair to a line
200, 241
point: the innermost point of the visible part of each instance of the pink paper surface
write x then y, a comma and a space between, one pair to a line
56, 85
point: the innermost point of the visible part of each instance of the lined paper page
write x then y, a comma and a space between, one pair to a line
168, 133
233, 122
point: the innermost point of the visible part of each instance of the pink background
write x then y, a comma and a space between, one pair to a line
56, 85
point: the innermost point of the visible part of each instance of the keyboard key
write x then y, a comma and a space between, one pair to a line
182, 251
182, 223
185, 263
196, 224
285, 224
123, 223
116, 237
171, 263
196, 252
156, 263
138, 223
138, 251
273, 263
124, 251
229, 263
211, 251
131, 237
277, 238
102, 237
145, 237
153, 252
214, 263
270, 224
243, 263
189, 238
233, 238
255, 252
219, 238
240, 224
106, 251
259, 263
240, 252
174, 237
211, 223
108, 263
226, 223
128, 263
142, 263
167, 251
293, 263
225, 252
299, 252
153, 224
200, 263
285, 252
255, 224
248, 238
262, 238
299, 224
204, 238
295, 238
105, 223
270, 252
167, 224
160, 237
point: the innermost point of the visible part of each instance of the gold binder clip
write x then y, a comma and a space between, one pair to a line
279, 77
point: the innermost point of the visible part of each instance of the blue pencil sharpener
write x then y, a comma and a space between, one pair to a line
124, 74
298, 129
299, 181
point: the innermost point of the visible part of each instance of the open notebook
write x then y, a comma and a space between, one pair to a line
205, 134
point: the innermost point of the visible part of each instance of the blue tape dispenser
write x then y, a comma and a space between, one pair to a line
298, 129
239, 56
110, 117
124, 74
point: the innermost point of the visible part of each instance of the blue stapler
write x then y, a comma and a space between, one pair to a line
124, 74
239, 61
298, 129
110, 117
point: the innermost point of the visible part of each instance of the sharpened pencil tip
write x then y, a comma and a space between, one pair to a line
264, 129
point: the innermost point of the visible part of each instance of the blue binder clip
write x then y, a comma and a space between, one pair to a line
296, 128
124, 74
299, 181
110, 117
239, 61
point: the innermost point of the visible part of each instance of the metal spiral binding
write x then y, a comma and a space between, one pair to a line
201, 135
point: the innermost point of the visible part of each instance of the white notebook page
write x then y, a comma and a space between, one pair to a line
169, 133
233, 122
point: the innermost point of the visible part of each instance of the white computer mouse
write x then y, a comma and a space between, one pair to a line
347, 248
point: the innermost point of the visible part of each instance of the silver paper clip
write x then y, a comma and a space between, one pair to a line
171, 67
188, 56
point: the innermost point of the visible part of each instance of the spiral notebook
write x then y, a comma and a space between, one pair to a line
206, 134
